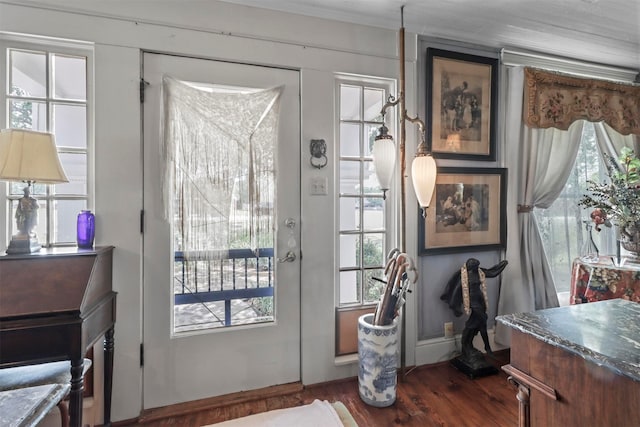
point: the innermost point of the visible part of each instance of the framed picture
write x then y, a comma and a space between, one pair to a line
467, 211
462, 97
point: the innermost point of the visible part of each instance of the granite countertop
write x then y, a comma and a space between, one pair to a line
606, 333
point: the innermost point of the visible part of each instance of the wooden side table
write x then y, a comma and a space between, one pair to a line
603, 280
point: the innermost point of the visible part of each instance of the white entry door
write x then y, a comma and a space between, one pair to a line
182, 365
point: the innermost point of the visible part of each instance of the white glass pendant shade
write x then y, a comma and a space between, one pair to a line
423, 175
384, 161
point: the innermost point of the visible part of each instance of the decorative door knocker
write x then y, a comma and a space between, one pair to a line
319, 152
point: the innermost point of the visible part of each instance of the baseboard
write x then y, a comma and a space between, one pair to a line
154, 414
442, 349
435, 350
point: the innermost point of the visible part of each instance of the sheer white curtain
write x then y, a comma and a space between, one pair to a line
541, 161
219, 165
611, 142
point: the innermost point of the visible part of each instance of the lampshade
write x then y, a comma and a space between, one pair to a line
29, 156
384, 158
423, 175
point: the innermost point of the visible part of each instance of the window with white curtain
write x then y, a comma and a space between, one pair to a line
46, 89
563, 225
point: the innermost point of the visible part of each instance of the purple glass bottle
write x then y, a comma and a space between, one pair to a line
86, 229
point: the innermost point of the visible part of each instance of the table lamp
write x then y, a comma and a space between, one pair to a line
30, 157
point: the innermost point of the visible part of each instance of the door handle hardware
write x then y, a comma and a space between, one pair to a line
290, 257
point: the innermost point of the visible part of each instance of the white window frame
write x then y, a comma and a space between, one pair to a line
390, 204
50, 46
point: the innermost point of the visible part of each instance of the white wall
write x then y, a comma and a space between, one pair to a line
319, 48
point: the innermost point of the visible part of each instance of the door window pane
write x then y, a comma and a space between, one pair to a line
223, 211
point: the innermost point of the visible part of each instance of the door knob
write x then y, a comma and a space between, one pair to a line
290, 257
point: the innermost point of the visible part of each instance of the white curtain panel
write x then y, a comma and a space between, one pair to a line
611, 142
539, 163
219, 164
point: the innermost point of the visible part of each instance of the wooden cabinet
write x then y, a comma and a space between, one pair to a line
577, 365
54, 305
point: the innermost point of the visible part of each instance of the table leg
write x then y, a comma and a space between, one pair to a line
523, 402
108, 374
76, 393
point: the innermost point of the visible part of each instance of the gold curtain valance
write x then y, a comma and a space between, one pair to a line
557, 100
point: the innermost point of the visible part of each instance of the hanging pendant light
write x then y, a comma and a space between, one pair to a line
423, 175
384, 159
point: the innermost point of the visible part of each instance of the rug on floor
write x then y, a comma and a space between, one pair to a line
319, 413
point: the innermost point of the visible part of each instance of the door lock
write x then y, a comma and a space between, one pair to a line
291, 241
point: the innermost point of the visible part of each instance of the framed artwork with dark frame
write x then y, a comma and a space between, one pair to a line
467, 211
462, 98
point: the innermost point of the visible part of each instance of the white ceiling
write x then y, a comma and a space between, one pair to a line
600, 31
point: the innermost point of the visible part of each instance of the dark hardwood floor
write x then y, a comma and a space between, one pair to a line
430, 395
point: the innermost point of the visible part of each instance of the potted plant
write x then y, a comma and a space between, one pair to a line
618, 201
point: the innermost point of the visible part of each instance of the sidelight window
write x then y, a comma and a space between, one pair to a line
364, 215
46, 89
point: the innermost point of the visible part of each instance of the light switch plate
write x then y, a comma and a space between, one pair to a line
319, 186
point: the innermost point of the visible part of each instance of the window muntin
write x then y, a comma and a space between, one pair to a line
363, 214
46, 90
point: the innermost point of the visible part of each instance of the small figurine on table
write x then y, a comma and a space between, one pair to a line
466, 292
